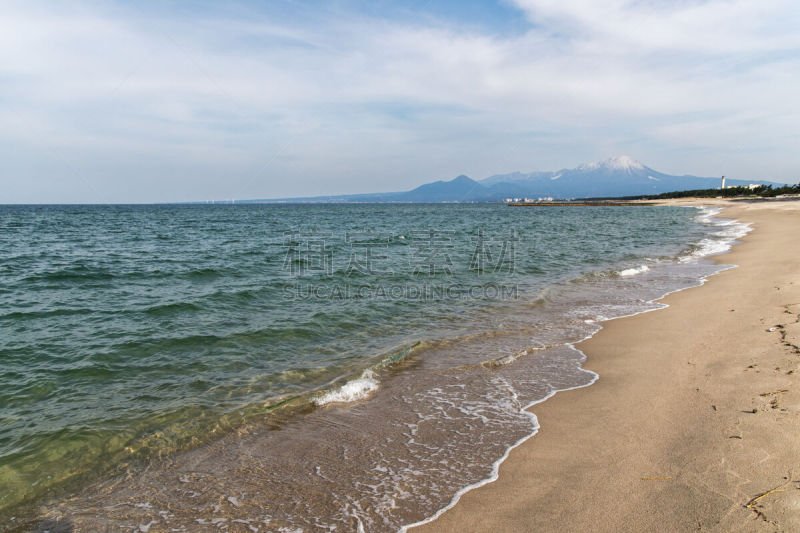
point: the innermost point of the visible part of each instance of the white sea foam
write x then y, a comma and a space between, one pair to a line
722, 240
495, 472
707, 214
353, 390
634, 271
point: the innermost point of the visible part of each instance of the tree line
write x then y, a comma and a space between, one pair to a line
764, 191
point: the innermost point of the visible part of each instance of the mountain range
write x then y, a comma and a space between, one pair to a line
614, 177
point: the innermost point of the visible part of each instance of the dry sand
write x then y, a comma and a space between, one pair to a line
694, 422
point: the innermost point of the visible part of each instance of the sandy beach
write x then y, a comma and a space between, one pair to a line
693, 424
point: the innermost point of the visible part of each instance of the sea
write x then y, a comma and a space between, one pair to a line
302, 367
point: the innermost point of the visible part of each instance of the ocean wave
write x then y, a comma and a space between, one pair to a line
634, 271
510, 358
354, 390
707, 214
52, 313
721, 240
202, 274
71, 274
172, 308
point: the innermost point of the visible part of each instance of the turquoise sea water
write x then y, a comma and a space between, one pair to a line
131, 333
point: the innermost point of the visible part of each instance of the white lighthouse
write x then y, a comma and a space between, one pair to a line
723, 182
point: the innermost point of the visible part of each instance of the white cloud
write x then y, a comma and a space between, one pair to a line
270, 106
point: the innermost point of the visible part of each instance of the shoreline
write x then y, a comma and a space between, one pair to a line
526, 412
499, 462
641, 450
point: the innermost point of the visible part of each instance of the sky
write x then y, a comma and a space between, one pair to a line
106, 102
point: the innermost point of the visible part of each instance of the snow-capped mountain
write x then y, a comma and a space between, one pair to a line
624, 163
614, 177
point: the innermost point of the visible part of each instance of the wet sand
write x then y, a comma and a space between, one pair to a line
694, 422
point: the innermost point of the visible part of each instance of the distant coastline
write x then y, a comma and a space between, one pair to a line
615, 177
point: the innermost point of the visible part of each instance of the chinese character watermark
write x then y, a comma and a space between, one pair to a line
369, 255
307, 253
431, 251
365, 252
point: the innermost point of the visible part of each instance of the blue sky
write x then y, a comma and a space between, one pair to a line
167, 101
